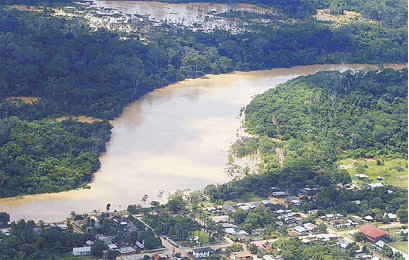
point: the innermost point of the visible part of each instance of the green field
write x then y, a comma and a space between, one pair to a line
204, 238
402, 246
390, 175
247, 197
69, 256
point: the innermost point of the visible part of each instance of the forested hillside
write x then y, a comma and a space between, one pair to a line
332, 114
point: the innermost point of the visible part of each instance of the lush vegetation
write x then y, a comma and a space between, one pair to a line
374, 202
295, 249
183, 229
30, 242
388, 13
320, 119
392, 171
48, 156
259, 218
77, 71
316, 120
246, 146
329, 114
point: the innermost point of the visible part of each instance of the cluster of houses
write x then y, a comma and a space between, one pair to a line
307, 228
122, 247
232, 229
158, 256
61, 225
287, 217
372, 185
338, 221
274, 254
229, 227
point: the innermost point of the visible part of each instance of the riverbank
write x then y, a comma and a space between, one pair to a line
173, 138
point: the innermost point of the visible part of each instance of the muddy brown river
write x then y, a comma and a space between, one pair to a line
173, 138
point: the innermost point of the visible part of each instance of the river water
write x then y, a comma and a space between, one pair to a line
193, 15
173, 138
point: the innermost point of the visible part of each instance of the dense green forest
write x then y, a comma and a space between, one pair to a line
75, 70
319, 119
95, 73
332, 114
47, 156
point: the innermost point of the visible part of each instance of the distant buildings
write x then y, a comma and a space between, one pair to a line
340, 223
242, 255
61, 225
375, 185
266, 203
202, 252
220, 219
391, 216
127, 250
247, 206
279, 194
292, 200
81, 251
228, 207
305, 229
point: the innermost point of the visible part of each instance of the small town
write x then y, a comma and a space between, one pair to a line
191, 228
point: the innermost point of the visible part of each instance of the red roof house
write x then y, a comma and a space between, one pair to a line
242, 255
373, 233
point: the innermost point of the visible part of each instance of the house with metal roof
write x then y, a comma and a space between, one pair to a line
79, 251
373, 233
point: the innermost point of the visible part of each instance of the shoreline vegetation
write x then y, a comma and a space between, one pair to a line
316, 136
75, 70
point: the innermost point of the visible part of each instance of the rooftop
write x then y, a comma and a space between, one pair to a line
202, 250
242, 254
372, 231
375, 185
83, 249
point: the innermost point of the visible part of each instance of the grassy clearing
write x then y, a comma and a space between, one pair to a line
204, 238
393, 176
247, 197
69, 256
402, 246
398, 240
